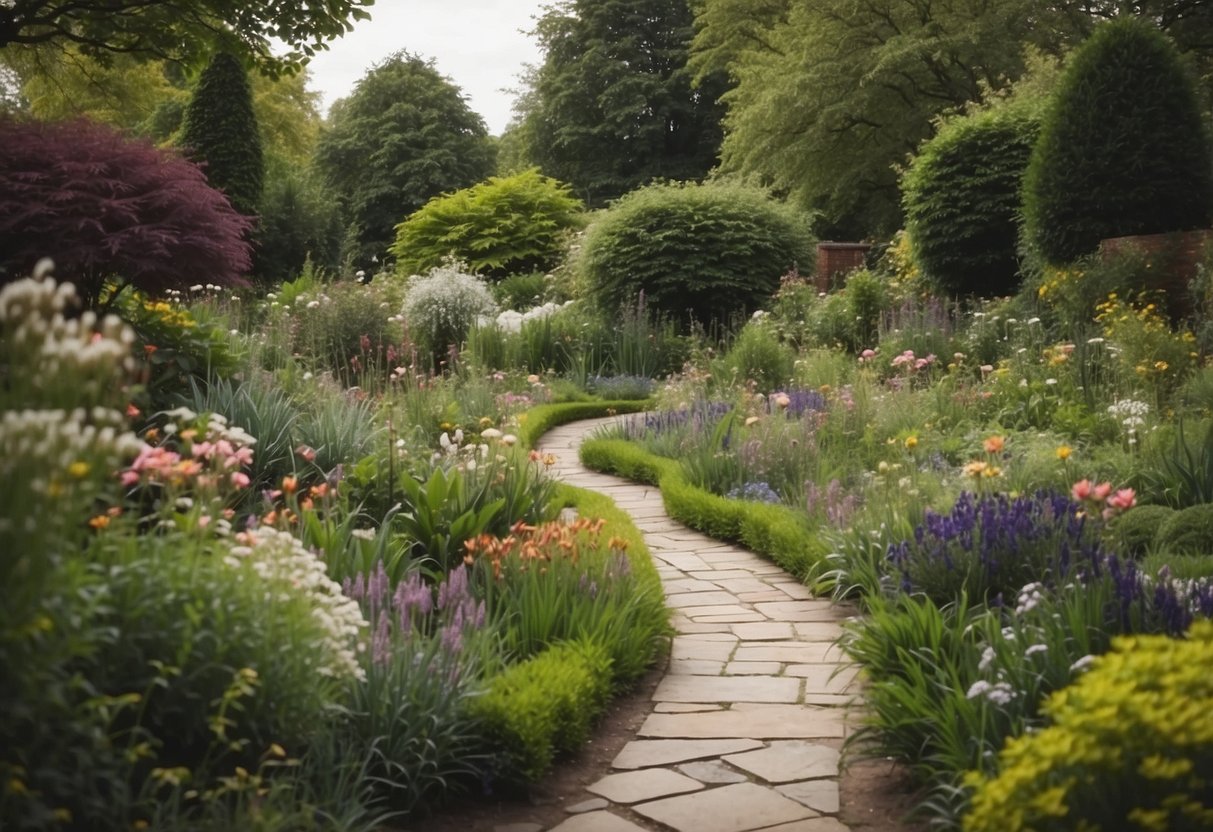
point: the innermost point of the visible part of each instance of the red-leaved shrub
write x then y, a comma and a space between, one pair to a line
103, 205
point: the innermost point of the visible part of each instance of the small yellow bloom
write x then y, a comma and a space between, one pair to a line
911, 442
549, 459
1063, 452
79, 470
101, 521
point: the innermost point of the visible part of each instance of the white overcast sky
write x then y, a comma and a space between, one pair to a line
480, 45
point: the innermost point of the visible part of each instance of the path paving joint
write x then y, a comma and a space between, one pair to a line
748, 722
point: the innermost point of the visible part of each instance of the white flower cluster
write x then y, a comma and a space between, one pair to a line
1132, 414
1000, 693
50, 350
283, 562
512, 321
446, 302
217, 427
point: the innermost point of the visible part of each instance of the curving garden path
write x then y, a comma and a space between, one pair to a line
748, 721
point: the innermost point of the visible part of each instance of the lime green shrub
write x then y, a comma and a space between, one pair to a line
501, 226
1130, 747
1188, 531
544, 705
1123, 147
1137, 529
961, 197
706, 252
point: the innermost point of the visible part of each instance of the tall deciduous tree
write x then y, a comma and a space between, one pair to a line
404, 135
832, 96
221, 132
180, 30
613, 106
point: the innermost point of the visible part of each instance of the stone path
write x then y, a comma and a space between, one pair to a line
749, 719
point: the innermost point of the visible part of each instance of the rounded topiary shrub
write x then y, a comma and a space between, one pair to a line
1137, 529
1129, 747
441, 307
1123, 147
1189, 530
710, 252
503, 226
961, 197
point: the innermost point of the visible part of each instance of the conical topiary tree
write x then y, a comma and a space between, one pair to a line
1123, 147
221, 132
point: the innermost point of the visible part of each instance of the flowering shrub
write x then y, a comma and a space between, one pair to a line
441, 307
1148, 767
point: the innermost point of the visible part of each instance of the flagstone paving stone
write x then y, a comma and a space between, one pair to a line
645, 784
745, 724
734, 808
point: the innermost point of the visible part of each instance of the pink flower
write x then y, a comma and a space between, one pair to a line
1102, 491
1123, 500
240, 479
1081, 490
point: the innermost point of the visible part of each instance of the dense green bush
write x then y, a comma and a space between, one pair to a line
508, 224
1123, 148
542, 706
961, 197
299, 223
708, 252
757, 355
1130, 747
1188, 531
1137, 529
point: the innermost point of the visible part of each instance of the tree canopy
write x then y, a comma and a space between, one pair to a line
181, 30
404, 135
831, 96
613, 107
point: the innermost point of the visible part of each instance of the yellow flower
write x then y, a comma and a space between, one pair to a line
911, 442
101, 521
1063, 452
79, 470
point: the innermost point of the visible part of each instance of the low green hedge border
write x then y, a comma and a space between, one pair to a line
542, 418
547, 704
773, 531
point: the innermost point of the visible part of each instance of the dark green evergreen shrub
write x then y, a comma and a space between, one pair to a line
508, 224
1123, 147
1188, 531
1137, 529
520, 291
709, 252
961, 198
221, 133
299, 222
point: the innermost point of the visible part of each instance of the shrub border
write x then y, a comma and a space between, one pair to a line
775, 532
540, 419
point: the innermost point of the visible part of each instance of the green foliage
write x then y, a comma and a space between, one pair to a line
505, 225
1188, 531
613, 107
543, 706
697, 252
1136, 530
221, 133
404, 135
299, 224
1123, 147
544, 417
443, 511
757, 355
961, 197
770, 530
1181, 473
520, 292
343, 327
278, 37
830, 97
1147, 767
